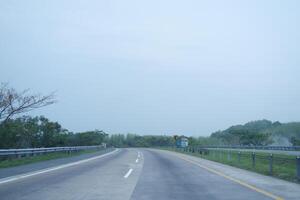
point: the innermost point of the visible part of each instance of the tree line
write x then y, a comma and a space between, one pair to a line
134, 140
31, 132
260, 132
35, 132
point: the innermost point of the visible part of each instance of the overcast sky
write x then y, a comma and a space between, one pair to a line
155, 67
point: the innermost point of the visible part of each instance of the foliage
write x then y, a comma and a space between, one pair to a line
13, 102
133, 140
31, 132
26, 132
261, 132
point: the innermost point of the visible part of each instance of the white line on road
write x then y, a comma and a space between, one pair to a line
240, 182
22, 176
128, 173
137, 160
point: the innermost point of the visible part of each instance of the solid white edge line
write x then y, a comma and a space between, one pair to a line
22, 176
128, 173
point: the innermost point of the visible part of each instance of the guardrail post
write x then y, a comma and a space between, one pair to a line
253, 159
33, 153
228, 155
239, 157
298, 167
271, 164
18, 155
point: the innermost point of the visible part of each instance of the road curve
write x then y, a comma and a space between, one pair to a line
137, 174
168, 177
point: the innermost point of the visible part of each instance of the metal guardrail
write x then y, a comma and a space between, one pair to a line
36, 151
282, 148
274, 164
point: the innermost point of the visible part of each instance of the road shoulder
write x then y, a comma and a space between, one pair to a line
281, 188
27, 168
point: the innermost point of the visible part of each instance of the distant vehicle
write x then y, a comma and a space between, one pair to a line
181, 141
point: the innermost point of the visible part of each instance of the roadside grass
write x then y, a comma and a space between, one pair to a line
283, 166
12, 162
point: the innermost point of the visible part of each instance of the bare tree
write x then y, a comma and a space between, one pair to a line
13, 102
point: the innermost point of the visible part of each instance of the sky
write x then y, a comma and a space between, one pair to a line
155, 67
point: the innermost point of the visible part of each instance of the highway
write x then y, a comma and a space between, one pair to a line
140, 174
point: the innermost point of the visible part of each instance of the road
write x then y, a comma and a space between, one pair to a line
137, 174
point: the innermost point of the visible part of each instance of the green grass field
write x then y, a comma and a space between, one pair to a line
283, 166
32, 159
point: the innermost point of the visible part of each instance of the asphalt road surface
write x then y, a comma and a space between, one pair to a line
137, 174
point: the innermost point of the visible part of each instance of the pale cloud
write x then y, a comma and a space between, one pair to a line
155, 67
